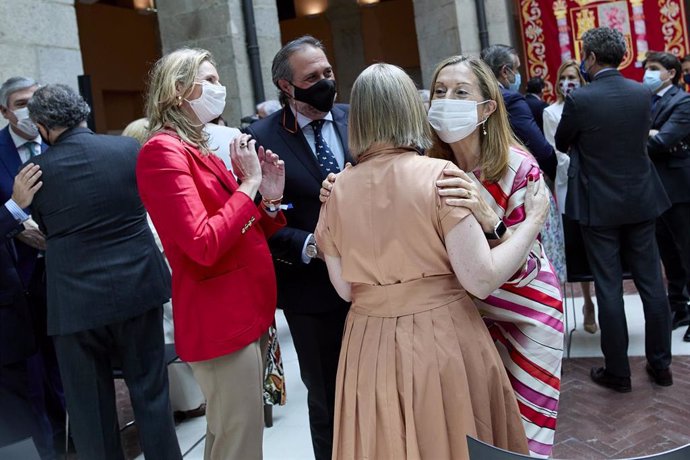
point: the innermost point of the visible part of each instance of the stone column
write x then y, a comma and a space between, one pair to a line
449, 27
219, 27
40, 40
346, 27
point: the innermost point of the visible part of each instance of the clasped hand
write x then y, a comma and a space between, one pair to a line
261, 166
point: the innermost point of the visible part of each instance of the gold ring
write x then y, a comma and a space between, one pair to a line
243, 145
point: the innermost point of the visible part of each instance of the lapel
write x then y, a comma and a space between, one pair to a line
340, 120
9, 156
662, 104
211, 162
292, 135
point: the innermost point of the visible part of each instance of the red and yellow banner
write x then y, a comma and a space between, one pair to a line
552, 32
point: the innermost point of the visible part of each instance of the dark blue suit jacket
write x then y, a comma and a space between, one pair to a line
16, 327
10, 164
304, 288
526, 129
670, 148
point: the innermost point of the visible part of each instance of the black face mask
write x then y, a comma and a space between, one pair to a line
320, 95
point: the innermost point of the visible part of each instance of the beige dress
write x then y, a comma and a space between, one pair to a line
418, 370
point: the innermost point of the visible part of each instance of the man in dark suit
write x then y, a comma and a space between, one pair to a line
310, 135
107, 281
505, 64
533, 97
17, 342
669, 148
19, 142
616, 195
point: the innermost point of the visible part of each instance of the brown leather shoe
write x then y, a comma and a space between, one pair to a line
601, 377
181, 416
662, 377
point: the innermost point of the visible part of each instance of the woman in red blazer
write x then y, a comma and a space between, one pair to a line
214, 235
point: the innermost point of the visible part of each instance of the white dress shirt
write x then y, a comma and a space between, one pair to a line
327, 131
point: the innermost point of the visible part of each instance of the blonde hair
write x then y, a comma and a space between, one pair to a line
569, 63
386, 108
495, 145
138, 129
174, 74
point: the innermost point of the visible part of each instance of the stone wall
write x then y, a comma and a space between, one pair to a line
39, 39
218, 26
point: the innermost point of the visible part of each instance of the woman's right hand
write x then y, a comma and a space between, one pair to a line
245, 160
327, 185
536, 201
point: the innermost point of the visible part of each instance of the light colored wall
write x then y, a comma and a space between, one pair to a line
39, 39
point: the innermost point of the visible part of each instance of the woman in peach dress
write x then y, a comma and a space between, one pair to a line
418, 370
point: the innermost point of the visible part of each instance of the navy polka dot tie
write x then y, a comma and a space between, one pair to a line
324, 155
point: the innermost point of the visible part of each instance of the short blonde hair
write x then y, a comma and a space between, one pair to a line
569, 63
138, 129
386, 108
175, 74
495, 145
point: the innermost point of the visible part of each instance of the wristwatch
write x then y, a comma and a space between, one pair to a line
498, 232
311, 249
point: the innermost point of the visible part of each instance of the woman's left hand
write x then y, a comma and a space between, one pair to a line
459, 190
273, 174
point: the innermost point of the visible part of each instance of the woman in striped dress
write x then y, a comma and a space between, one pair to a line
525, 315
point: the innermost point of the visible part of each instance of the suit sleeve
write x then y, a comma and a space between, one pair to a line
674, 130
526, 129
169, 193
287, 243
8, 224
566, 133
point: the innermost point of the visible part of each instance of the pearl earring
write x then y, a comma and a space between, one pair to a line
484, 127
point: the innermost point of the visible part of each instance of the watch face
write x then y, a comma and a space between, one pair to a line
311, 250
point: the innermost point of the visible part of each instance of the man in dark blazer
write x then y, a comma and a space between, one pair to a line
505, 64
107, 281
310, 135
17, 342
669, 148
19, 142
533, 96
616, 195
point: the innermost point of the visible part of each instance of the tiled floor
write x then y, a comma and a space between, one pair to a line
594, 423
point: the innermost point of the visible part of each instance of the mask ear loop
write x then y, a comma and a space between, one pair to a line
291, 131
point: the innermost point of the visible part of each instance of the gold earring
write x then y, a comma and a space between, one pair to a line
484, 126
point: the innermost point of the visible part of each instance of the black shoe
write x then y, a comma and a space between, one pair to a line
603, 378
662, 377
680, 318
686, 337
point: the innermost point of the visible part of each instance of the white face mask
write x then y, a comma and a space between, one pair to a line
210, 104
454, 119
568, 86
24, 123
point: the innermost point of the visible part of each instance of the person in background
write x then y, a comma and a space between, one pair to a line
106, 279
505, 64
186, 398
19, 143
615, 195
569, 79
311, 133
533, 96
668, 146
17, 339
266, 108
418, 371
685, 65
214, 236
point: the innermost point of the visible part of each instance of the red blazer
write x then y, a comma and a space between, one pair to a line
224, 288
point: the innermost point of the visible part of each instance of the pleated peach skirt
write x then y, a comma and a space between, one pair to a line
418, 372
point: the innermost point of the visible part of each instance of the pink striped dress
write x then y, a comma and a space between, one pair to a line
525, 315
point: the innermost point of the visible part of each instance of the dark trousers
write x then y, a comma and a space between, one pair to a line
317, 340
86, 362
17, 420
673, 238
635, 244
